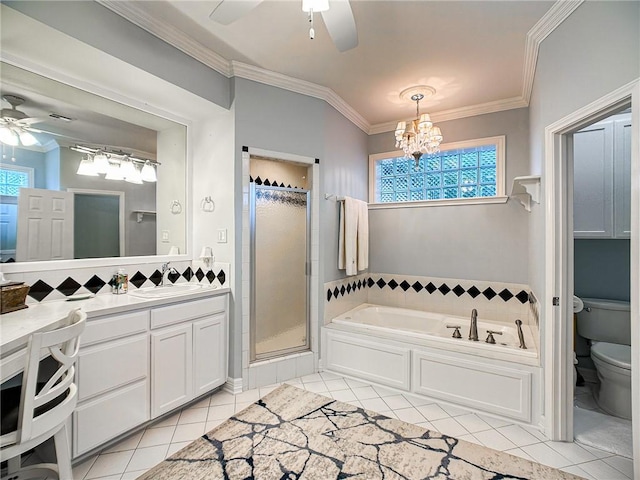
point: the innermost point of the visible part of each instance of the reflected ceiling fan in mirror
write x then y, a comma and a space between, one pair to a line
337, 16
15, 126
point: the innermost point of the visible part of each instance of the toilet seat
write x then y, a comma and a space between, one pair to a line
613, 354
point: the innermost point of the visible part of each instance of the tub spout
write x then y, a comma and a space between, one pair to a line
473, 328
520, 334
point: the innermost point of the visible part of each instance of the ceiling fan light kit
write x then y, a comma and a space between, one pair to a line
418, 136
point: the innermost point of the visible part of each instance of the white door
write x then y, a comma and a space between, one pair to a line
171, 368
209, 353
45, 225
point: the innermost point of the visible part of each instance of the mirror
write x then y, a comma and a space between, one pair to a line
50, 212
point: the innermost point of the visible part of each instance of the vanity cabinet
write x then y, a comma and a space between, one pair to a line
188, 356
136, 366
602, 179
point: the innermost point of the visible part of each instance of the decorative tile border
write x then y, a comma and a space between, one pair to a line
48, 286
271, 183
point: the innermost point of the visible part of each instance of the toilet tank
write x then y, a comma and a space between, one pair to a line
605, 321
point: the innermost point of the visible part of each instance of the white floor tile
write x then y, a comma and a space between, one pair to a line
576, 470
417, 401
572, 451
221, 412
188, 432
471, 422
336, 384
131, 475
202, 403
493, 439
145, 458
384, 392
222, 398
496, 422
344, 395
600, 470
329, 376
518, 435
518, 452
453, 411
389, 413
268, 389
129, 443
356, 383
432, 412
168, 421
622, 464
109, 464
239, 407
596, 452
316, 387
543, 453
470, 438
449, 426
80, 470
314, 377
157, 436
210, 425
363, 393
248, 396
396, 402
409, 415
174, 447
193, 415
375, 404
535, 432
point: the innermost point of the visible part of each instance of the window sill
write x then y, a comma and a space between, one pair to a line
439, 203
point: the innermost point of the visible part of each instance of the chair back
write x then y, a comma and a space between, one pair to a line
36, 415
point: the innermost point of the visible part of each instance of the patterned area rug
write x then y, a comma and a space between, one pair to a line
292, 433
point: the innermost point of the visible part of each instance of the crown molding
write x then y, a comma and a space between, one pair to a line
462, 112
268, 77
170, 34
557, 14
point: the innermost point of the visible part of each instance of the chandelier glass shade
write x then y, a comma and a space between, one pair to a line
419, 136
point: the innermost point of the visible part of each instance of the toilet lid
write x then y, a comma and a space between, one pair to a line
613, 354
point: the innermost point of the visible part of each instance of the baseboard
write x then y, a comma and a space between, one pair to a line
233, 385
320, 365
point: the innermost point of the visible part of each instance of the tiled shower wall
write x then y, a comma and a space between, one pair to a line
496, 301
59, 284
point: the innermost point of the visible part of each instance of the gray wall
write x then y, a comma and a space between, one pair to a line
475, 242
592, 53
99, 27
602, 268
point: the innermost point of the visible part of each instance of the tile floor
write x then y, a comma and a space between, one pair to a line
136, 454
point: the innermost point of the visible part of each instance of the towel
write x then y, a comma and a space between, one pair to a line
353, 245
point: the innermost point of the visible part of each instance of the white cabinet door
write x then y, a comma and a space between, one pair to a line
593, 181
209, 353
622, 168
171, 368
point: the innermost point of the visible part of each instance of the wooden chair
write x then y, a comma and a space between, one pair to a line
40, 408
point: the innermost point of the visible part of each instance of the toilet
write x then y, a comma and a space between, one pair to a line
607, 323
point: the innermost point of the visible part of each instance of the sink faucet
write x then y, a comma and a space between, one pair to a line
166, 269
473, 328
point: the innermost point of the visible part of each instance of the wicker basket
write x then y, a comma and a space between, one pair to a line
12, 297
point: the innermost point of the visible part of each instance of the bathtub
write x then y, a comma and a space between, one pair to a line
414, 351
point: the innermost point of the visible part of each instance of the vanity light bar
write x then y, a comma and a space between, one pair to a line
117, 153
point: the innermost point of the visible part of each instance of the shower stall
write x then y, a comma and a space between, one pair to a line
280, 264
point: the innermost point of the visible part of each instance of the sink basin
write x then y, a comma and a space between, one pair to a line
165, 291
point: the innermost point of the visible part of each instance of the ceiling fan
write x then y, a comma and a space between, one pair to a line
15, 125
337, 16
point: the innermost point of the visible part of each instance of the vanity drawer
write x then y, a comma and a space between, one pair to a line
111, 365
182, 312
108, 416
115, 326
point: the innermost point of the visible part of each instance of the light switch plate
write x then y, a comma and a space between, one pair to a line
222, 235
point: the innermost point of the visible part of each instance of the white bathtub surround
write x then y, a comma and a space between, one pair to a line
495, 301
414, 352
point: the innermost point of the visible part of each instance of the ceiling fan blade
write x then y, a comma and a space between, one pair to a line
341, 24
25, 122
228, 11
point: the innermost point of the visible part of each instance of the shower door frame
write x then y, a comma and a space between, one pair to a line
307, 269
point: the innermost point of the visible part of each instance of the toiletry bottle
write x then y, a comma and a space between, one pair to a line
123, 281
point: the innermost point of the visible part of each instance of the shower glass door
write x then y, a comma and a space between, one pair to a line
279, 276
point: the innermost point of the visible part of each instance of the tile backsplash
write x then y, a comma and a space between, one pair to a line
502, 302
59, 284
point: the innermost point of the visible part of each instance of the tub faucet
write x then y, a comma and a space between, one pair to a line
520, 334
473, 328
166, 269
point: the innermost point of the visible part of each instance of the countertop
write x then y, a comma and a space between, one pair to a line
16, 327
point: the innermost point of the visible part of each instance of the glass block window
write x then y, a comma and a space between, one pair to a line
464, 170
12, 178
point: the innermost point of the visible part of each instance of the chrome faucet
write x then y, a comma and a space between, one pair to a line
166, 269
473, 328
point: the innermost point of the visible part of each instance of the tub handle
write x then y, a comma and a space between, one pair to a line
456, 332
490, 334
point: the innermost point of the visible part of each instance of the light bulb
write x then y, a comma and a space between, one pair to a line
27, 139
113, 172
148, 173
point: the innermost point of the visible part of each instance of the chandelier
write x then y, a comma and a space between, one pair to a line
418, 136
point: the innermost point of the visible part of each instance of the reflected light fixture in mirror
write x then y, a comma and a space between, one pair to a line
87, 167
